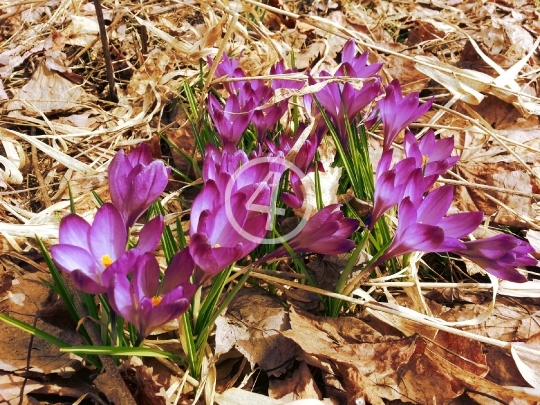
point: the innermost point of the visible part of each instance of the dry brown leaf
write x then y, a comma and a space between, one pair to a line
253, 324
10, 389
299, 385
534, 239
81, 31
484, 386
377, 362
47, 92
503, 175
148, 391
27, 297
236, 396
521, 42
411, 79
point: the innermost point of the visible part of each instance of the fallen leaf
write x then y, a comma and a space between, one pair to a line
10, 388
47, 92
341, 341
28, 296
299, 385
503, 175
253, 324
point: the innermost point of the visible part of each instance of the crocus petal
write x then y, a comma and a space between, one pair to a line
146, 277
462, 224
140, 155
118, 171
124, 265
417, 237
435, 205
212, 259
120, 296
87, 284
387, 195
207, 199
69, 258
325, 233
108, 235
349, 51
179, 271
412, 148
291, 200
74, 231
151, 234
144, 189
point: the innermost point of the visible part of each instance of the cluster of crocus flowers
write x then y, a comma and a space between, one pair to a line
343, 102
97, 256
422, 221
246, 103
235, 209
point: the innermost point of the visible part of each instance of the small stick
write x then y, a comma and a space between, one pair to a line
106, 54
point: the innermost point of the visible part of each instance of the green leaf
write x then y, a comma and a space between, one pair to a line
123, 351
33, 331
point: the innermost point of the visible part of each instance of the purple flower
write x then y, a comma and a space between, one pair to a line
146, 303
327, 232
232, 119
397, 111
424, 227
279, 69
229, 68
342, 102
266, 118
90, 253
229, 216
500, 255
389, 184
306, 153
356, 66
136, 181
215, 242
430, 154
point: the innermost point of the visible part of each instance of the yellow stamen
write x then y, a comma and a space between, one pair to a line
425, 160
106, 260
217, 245
156, 301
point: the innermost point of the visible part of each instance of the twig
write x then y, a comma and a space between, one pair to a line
491, 188
39, 177
106, 54
28, 357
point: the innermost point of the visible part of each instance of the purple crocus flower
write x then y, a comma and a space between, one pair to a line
136, 181
356, 65
342, 102
430, 154
215, 242
232, 119
389, 184
266, 118
229, 67
228, 219
92, 254
424, 227
397, 111
327, 232
500, 255
279, 69
144, 301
